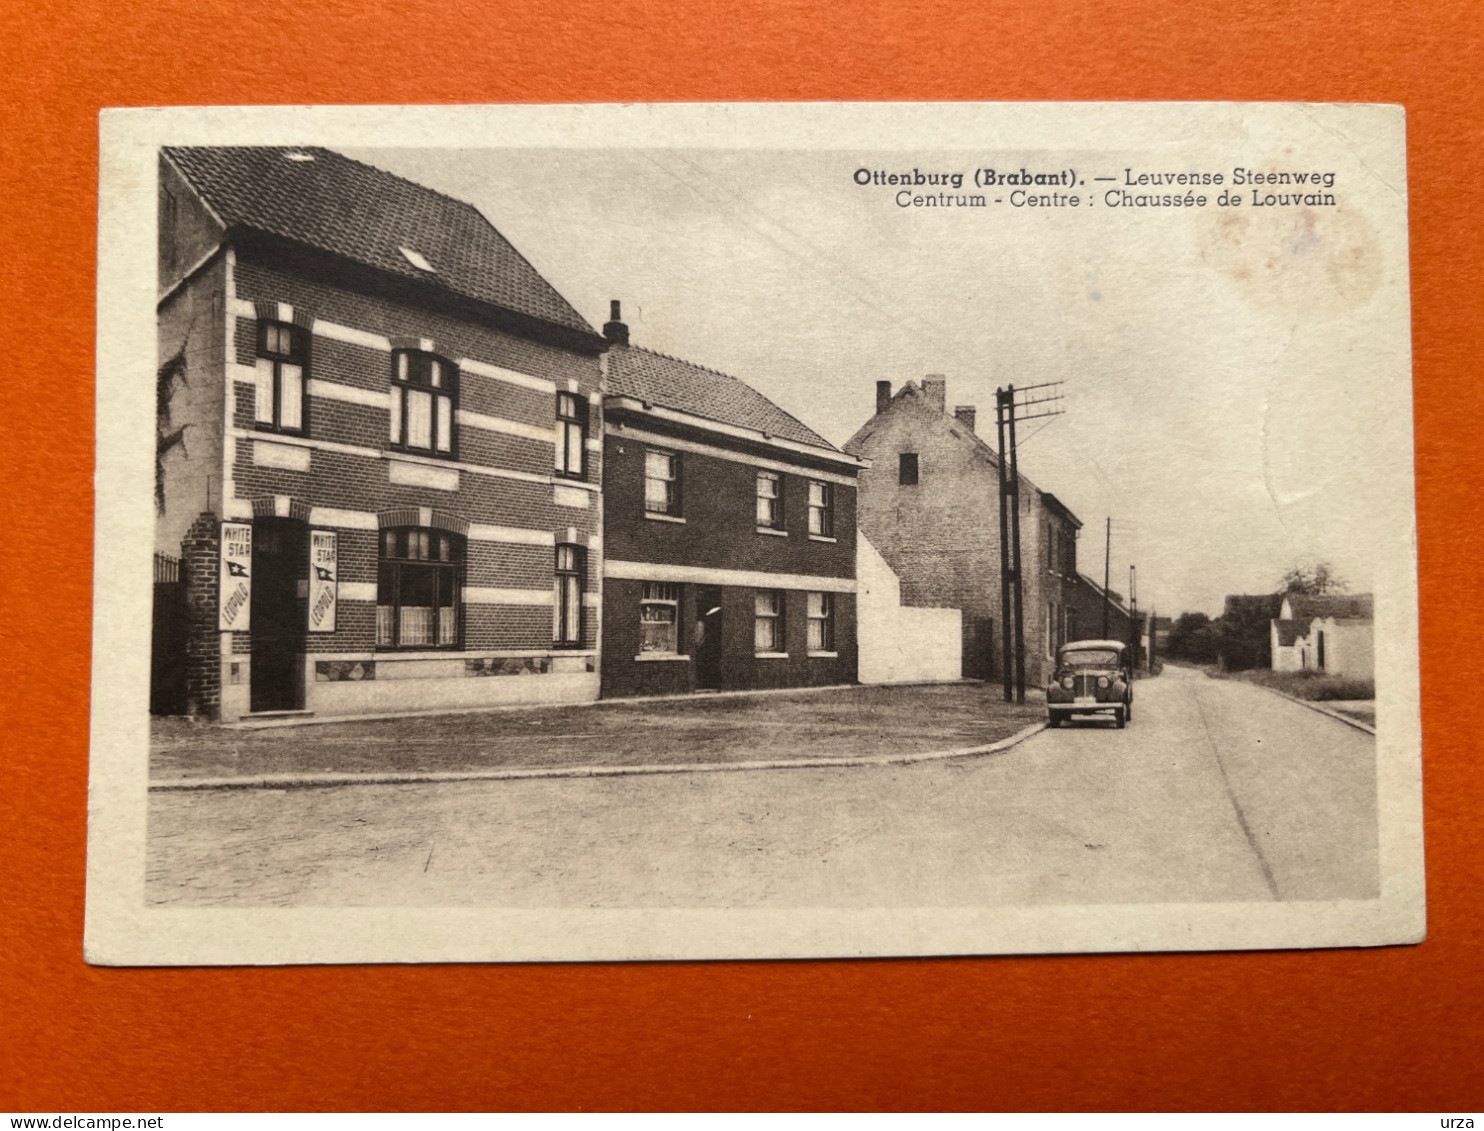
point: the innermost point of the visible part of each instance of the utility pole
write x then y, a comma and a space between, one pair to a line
1133, 612
1012, 593
1107, 559
1000, 399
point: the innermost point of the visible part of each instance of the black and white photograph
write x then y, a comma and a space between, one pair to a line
645, 532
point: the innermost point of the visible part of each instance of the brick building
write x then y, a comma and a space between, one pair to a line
929, 501
729, 535
379, 445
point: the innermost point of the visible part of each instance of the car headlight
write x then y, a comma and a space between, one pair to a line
1067, 682
1103, 681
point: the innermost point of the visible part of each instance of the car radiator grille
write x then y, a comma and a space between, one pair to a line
1086, 685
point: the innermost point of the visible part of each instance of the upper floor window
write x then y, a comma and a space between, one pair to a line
425, 395
571, 459
770, 500
279, 398
907, 469
661, 482
567, 623
419, 591
821, 509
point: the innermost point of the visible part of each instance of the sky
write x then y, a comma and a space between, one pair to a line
1218, 369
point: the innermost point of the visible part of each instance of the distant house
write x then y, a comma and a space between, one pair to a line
929, 502
1333, 633
728, 534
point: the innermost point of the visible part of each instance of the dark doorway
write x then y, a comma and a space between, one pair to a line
708, 637
280, 562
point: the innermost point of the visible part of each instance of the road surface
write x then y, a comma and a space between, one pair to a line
1217, 791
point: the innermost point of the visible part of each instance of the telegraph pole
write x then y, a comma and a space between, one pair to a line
1107, 559
1001, 398
1133, 612
1008, 411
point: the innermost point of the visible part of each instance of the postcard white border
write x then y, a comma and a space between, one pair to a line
122, 930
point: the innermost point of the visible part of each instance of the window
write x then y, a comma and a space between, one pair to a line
571, 457
767, 623
907, 469
659, 612
770, 500
821, 509
661, 482
419, 591
821, 622
567, 620
424, 396
279, 402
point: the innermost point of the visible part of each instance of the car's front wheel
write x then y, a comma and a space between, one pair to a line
1118, 717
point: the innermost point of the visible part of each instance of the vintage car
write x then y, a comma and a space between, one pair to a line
1092, 677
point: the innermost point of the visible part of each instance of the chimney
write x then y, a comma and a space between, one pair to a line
936, 388
965, 415
615, 330
883, 396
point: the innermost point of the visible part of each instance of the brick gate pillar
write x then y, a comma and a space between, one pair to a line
200, 554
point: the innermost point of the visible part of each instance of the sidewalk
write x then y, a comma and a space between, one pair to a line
854, 723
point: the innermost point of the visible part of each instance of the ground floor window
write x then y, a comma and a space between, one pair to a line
567, 627
821, 622
659, 615
419, 592
767, 631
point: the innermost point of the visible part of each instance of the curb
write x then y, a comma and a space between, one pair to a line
313, 781
1314, 705
691, 696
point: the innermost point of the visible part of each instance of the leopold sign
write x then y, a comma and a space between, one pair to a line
322, 574
236, 576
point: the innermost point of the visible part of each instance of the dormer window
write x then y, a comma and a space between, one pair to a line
416, 259
425, 395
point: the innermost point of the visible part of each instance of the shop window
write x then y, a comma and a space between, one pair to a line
425, 396
419, 592
770, 500
661, 482
278, 404
821, 509
767, 624
571, 452
567, 626
907, 469
659, 616
821, 622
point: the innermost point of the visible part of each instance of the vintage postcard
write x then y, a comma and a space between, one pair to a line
715, 531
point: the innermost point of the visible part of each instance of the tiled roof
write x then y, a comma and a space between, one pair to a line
671, 383
1358, 606
335, 204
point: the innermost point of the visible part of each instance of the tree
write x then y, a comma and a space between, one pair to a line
168, 377
1194, 637
1313, 580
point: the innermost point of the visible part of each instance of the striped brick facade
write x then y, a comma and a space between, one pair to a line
498, 493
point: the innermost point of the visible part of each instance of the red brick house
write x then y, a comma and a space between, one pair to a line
380, 452
728, 535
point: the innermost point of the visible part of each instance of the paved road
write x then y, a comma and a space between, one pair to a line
1217, 791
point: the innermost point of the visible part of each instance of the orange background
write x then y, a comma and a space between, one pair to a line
1397, 1028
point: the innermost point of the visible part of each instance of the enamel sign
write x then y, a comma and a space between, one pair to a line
236, 577
322, 584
